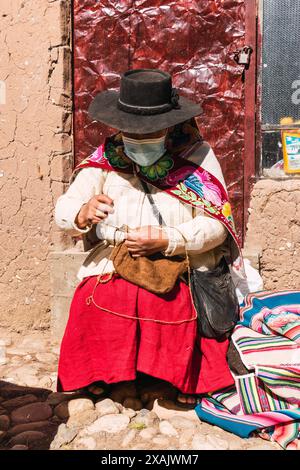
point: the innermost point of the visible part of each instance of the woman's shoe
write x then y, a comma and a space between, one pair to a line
97, 390
186, 399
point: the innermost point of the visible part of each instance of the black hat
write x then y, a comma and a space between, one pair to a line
146, 103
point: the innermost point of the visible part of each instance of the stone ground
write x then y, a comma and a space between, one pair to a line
130, 415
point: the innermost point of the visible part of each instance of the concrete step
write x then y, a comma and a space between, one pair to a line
64, 266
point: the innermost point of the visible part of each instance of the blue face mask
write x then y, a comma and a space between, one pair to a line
144, 152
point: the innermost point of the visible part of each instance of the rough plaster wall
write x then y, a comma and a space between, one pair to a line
274, 226
35, 151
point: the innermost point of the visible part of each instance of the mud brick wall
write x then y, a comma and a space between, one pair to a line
274, 227
35, 151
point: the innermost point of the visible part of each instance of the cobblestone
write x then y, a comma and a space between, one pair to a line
133, 415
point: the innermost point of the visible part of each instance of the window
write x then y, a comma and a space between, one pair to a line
279, 82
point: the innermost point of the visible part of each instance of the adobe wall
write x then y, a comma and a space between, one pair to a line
274, 227
35, 152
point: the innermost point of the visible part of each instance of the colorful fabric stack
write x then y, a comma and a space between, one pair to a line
266, 401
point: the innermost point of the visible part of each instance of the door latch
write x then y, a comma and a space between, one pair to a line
243, 56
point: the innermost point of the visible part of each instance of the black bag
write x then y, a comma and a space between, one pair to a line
215, 300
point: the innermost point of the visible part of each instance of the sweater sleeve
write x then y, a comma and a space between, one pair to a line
88, 183
202, 233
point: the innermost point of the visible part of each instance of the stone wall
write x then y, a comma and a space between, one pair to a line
35, 151
274, 229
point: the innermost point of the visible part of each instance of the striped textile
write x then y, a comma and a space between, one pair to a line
265, 402
259, 349
255, 397
287, 436
212, 411
271, 312
281, 381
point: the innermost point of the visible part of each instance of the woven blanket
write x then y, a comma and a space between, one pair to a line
265, 402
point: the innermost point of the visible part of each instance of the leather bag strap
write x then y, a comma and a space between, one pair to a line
154, 207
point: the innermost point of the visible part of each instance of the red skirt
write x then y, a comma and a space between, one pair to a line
99, 345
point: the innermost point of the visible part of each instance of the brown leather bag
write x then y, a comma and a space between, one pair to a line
156, 273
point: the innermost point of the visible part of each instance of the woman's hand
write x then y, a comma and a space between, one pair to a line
94, 211
145, 241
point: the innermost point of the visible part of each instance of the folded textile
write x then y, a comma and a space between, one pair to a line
273, 313
265, 401
280, 426
260, 349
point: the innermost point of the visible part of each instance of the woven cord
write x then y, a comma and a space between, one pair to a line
91, 299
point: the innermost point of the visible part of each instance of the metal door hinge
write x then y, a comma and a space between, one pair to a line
243, 56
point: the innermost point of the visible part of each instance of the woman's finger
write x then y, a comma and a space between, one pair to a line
132, 236
104, 198
140, 253
105, 208
101, 206
96, 220
100, 214
136, 250
131, 244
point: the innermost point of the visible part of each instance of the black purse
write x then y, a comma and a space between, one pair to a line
215, 300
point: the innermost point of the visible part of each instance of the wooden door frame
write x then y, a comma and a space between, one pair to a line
250, 162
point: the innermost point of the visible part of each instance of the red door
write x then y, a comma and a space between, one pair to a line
193, 40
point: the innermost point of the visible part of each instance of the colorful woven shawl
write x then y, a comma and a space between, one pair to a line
177, 176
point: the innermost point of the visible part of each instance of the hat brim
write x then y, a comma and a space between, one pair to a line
104, 108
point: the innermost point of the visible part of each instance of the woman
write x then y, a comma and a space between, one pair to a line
116, 328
